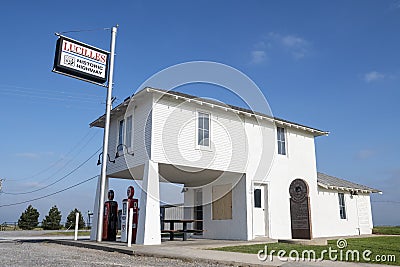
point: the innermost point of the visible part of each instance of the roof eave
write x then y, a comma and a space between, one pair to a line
99, 122
315, 132
349, 189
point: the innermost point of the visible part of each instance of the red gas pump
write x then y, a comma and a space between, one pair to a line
128, 203
110, 218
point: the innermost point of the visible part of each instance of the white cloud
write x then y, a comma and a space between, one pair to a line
262, 45
258, 56
296, 46
298, 54
30, 184
395, 5
373, 76
365, 154
32, 155
28, 155
293, 41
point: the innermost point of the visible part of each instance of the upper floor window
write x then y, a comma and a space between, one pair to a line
281, 140
128, 132
203, 129
342, 206
120, 135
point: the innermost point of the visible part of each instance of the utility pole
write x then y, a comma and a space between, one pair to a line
103, 176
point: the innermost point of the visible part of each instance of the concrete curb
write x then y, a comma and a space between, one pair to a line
74, 243
314, 242
133, 252
197, 255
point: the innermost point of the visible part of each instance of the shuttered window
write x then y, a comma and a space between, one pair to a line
222, 202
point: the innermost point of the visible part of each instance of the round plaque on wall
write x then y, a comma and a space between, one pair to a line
298, 190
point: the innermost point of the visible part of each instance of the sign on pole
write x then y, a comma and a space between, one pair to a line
89, 63
80, 60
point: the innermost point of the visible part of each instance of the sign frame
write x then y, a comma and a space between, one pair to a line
58, 68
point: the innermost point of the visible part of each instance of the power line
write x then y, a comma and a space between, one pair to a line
78, 144
37, 94
48, 195
87, 30
53, 95
52, 91
386, 201
63, 99
66, 164
44, 93
69, 161
62, 178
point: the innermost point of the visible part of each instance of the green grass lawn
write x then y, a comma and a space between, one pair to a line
386, 230
380, 245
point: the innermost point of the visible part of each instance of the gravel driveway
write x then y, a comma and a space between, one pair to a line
28, 253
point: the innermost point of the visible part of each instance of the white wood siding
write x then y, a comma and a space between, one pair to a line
175, 133
165, 131
328, 222
236, 228
141, 144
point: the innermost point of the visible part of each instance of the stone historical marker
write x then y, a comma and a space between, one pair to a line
300, 210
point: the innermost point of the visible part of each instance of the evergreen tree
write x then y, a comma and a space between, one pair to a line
29, 218
70, 224
52, 221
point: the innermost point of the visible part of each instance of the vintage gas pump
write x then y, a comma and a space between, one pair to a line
110, 218
128, 203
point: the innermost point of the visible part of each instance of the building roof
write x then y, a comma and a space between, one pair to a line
331, 182
178, 95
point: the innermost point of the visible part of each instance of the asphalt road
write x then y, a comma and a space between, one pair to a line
37, 253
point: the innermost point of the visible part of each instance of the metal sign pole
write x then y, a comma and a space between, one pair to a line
106, 134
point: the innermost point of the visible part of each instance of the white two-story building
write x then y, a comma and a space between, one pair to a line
245, 174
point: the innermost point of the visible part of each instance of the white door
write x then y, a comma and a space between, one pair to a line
259, 210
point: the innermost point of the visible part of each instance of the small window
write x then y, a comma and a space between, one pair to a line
128, 132
281, 141
203, 129
342, 206
121, 135
257, 198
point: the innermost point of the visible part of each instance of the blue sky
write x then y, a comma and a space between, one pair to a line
332, 65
